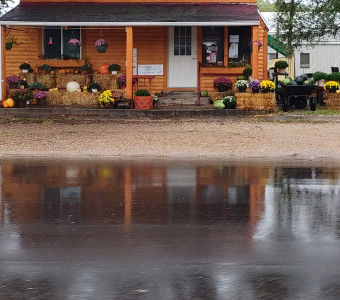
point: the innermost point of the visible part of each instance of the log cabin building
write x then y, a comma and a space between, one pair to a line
183, 44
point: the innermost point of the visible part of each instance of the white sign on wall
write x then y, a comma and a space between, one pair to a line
150, 69
134, 61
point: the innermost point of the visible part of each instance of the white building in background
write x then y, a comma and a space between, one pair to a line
311, 57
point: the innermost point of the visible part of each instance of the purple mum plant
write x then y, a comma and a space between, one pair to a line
13, 79
255, 84
74, 42
41, 95
101, 42
223, 84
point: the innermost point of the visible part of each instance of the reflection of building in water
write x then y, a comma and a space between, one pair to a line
89, 193
301, 203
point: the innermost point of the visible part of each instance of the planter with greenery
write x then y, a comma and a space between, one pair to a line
114, 68
37, 86
143, 100
281, 66
85, 69
334, 77
25, 67
94, 87
22, 97
45, 68
320, 78
241, 85
10, 41
222, 84
247, 72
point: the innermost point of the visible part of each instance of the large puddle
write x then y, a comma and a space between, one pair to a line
75, 230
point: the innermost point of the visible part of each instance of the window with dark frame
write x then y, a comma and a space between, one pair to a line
55, 43
213, 46
304, 60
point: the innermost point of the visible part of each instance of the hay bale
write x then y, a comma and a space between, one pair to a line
256, 101
62, 98
63, 79
217, 95
332, 100
106, 81
29, 77
47, 80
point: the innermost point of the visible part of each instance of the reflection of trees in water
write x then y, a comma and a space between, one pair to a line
302, 206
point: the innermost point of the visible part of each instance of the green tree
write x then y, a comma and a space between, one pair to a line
306, 20
4, 5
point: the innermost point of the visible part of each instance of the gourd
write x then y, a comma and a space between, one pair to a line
10, 102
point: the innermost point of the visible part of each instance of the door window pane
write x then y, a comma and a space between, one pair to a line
182, 38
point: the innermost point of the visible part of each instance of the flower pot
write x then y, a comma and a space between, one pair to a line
242, 90
255, 90
321, 82
101, 49
94, 90
41, 102
21, 104
24, 70
222, 88
281, 70
143, 102
9, 46
114, 72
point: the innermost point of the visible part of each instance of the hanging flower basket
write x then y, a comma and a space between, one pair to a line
101, 45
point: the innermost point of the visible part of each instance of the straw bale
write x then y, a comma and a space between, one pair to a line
29, 77
106, 81
62, 98
217, 95
63, 79
255, 101
332, 101
47, 80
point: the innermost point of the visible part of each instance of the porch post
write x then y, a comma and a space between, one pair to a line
255, 53
129, 62
3, 62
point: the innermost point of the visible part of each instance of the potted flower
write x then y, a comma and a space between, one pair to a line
41, 97
320, 78
222, 84
114, 68
22, 97
267, 86
143, 100
121, 82
281, 66
25, 67
74, 42
45, 68
10, 41
241, 85
247, 72
13, 81
101, 45
229, 102
255, 85
94, 87
106, 100
85, 69
331, 86
37, 86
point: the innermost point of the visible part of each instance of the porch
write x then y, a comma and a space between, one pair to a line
151, 43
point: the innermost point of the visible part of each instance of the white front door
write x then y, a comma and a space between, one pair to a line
182, 70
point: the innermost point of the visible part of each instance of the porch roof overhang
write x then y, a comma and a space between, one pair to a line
128, 14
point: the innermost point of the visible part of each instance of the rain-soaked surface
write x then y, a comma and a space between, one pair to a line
75, 230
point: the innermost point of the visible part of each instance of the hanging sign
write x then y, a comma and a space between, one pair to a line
150, 69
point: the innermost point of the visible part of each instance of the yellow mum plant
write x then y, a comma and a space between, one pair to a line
106, 98
267, 86
331, 86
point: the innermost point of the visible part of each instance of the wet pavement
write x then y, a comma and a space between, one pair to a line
85, 230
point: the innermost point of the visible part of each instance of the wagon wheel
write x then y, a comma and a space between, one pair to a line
312, 103
285, 104
300, 102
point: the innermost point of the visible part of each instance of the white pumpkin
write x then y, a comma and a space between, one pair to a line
73, 86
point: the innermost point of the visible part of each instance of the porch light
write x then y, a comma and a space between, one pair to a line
50, 42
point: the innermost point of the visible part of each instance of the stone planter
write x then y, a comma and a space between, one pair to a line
143, 102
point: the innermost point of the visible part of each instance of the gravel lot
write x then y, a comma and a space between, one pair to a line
172, 140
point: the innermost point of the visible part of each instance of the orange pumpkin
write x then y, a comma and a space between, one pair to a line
104, 69
5, 104
10, 102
